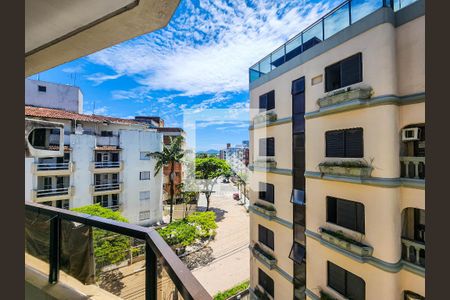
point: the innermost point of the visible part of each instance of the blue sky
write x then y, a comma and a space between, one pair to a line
199, 61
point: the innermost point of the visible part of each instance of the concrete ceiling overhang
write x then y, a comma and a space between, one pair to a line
59, 31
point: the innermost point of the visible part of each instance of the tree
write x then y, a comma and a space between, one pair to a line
171, 154
209, 169
109, 247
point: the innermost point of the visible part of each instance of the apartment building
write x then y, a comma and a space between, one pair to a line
337, 151
237, 156
105, 161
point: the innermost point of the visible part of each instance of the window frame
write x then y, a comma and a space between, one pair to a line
265, 146
264, 238
344, 293
42, 88
268, 105
141, 173
345, 132
339, 65
263, 195
359, 208
266, 280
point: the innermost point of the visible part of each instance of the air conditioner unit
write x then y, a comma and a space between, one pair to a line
410, 134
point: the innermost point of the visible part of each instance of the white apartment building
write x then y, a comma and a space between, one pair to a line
53, 95
105, 161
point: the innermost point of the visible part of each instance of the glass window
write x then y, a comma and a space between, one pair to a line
346, 283
346, 213
266, 282
343, 73
145, 175
144, 215
144, 196
266, 237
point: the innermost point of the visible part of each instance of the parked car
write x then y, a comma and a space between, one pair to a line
236, 196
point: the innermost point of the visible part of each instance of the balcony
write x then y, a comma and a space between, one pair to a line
106, 188
51, 194
54, 139
265, 117
106, 166
412, 167
108, 140
341, 17
340, 240
265, 257
53, 169
53, 271
413, 251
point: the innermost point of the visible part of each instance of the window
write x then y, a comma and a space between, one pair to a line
344, 73
346, 283
144, 196
265, 282
345, 213
267, 101
345, 143
144, 175
145, 156
265, 236
115, 199
42, 88
144, 215
297, 253
106, 133
267, 146
266, 192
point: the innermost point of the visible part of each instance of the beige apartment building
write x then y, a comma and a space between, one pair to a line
337, 151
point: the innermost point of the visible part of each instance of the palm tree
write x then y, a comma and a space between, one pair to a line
171, 154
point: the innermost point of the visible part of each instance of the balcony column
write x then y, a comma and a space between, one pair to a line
416, 169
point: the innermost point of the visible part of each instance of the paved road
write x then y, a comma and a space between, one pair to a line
231, 264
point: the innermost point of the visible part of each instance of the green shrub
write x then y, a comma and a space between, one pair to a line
233, 291
185, 232
109, 247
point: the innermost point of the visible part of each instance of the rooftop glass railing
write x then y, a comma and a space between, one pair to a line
342, 16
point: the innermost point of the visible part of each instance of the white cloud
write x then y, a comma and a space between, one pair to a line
99, 78
74, 69
98, 111
208, 49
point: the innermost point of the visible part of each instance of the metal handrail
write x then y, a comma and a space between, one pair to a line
107, 186
52, 191
156, 248
52, 166
103, 164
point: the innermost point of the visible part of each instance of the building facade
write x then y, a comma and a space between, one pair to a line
106, 160
338, 158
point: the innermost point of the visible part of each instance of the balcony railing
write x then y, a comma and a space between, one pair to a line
108, 140
52, 166
412, 167
106, 164
101, 187
52, 192
339, 18
413, 252
157, 253
54, 139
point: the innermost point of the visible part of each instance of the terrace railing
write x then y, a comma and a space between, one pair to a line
342, 16
157, 252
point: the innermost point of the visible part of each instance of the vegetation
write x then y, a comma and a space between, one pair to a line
233, 291
209, 169
109, 247
266, 207
345, 164
340, 235
326, 296
198, 225
171, 154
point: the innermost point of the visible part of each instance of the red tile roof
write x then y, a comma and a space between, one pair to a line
43, 112
107, 148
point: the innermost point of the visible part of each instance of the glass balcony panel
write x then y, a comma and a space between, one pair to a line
278, 57
265, 66
362, 8
337, 21
293, 47
312, 36
254, 73
166, 289
37, 241
399, 4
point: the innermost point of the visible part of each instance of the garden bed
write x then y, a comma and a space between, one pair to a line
268, 210
344, 96
346, 168
344, 242
264, 256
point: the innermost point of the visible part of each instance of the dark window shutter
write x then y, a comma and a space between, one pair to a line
270, 239
351, 70
270, 100
332, 77
270, 146
336, 278
263, 101
331, 210
262, 191
356, 287
346, 214
299, 123
335, 144
261, 234
114, 156
299, 103
270, 193
266, 282
360, 227
299, 214
354, 144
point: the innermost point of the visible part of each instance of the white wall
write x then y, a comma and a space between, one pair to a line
59, 96
28, 178
82, 154
132, 143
